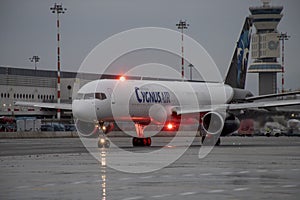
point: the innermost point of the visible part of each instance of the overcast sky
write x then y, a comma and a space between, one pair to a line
29, 28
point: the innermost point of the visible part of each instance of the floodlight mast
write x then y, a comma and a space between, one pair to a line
58, 9
282, 37
182, 25
35, 59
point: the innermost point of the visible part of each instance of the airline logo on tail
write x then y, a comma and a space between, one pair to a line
236, 75
243, 46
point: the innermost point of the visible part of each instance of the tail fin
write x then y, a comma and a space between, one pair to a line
236, 75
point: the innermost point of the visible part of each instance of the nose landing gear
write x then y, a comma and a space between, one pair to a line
103, 142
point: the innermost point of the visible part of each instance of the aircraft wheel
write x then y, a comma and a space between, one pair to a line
141, 142
148, 141
135, 141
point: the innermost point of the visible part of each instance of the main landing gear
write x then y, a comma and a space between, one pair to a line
141, 140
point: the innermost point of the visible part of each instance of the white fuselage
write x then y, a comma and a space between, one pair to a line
142, 100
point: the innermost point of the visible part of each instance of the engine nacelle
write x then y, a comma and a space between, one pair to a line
86, 129
232, 123
214, 123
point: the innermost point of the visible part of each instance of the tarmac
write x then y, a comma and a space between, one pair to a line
62, 168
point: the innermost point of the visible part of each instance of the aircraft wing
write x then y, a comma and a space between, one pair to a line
237, 106
272, 95
62, 106
265, 104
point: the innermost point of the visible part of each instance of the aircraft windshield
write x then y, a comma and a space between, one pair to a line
89, 96
98, 95
80, 96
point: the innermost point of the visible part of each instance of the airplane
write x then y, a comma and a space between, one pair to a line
169, 103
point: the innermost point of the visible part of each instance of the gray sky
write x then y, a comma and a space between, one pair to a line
29, 28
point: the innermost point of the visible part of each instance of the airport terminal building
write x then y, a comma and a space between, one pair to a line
19, 84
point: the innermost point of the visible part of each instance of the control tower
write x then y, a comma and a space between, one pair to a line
266, 46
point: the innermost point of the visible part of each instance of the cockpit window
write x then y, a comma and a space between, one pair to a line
100, 96
79, 96
89, 96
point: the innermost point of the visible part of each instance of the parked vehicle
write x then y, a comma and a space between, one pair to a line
52, 127
293, 127
47, 127
7, 124
272, 132
273, 129
246, 127
70, 127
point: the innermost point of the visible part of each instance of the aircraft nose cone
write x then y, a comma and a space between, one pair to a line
84, 110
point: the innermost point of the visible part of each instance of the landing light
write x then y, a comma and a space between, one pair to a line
102, 140
170, 126
122, 78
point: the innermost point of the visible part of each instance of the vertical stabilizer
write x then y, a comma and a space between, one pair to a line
236, 75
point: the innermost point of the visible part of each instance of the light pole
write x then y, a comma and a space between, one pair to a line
58, 9
182, 25
191, 68
282, 37
35, 59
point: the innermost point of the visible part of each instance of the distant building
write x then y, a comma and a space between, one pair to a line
266, 46
17, 84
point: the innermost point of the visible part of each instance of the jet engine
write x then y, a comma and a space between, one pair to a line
86, 129
214, 123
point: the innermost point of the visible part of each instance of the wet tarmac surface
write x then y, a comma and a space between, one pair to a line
242, 168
